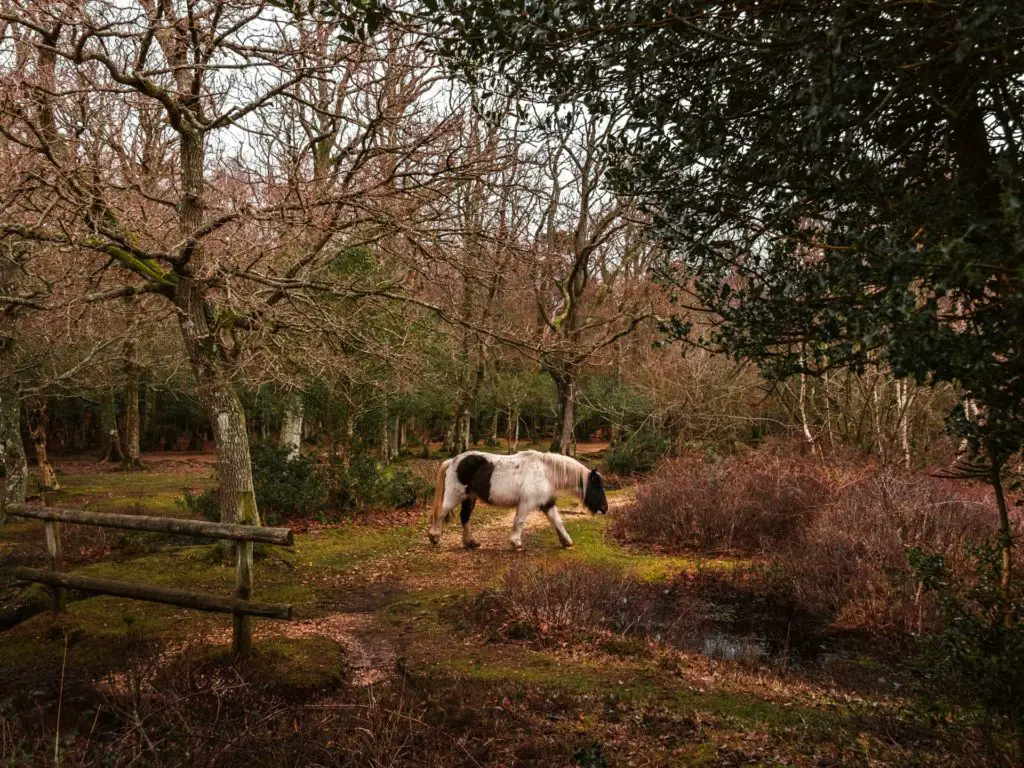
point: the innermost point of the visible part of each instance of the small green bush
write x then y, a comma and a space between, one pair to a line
366, 484
287, 485
636, 454
978, 654
205, 504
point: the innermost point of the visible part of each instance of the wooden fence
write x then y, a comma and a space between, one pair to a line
239, 604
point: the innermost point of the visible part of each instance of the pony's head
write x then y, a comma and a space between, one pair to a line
595, 499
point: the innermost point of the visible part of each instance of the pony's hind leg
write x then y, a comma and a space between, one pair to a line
522, 513
464, 514
551, 511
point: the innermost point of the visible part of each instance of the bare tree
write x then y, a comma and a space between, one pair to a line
203, 152
591, 247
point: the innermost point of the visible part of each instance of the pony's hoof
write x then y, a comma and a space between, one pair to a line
566, 545
474, 544
517, 547
435, 540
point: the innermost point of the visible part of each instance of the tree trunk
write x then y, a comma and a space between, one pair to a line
804, 423
1005, 539
110, 438
196, 320
385, 442
38, 420
216, 393
12, 451
563, 441
876, 418
350, 435
450, 432
829, 432
396, 437
148, 410
494, 426
464, 431
291, 425
132, 424
903, 399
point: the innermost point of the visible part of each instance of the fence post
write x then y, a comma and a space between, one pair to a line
241, 636
53, 548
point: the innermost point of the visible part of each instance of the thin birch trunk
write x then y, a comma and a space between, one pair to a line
903, 398
804, 422
291, 425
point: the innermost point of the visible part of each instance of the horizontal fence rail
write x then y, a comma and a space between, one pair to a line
199, 601
239, 605
255, 533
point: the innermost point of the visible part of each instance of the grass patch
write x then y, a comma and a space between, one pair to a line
349, 546
146, 492
300, 665
628, 683
595, 547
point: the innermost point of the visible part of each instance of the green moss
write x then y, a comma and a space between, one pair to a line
627, 683
423, 612
28, 602
300, 664
184, 567
98, 632
351, 545
594, 547
146, 492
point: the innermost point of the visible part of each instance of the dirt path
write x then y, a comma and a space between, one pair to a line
371, 652
370, 649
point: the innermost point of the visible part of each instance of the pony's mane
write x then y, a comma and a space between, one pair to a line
565, 472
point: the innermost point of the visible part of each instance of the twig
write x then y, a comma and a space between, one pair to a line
60, 701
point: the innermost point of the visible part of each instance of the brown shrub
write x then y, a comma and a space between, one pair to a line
744, 503
560, 601
835, 537
850, 559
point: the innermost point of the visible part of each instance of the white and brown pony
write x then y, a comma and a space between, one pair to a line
527, 480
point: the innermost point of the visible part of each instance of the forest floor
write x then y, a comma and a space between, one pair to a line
390, 627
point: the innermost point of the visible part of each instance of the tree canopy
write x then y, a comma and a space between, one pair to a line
839, 181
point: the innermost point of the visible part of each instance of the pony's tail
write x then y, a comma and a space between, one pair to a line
435, 510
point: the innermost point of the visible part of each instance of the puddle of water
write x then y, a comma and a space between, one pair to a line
720, 645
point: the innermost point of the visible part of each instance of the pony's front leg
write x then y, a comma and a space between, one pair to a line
440, 515
522, 513
551, 511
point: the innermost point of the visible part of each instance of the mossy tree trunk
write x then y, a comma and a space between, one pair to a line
218, 397
396, 437
38, 422
132, 421
208, 359
12, 451
565, 384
